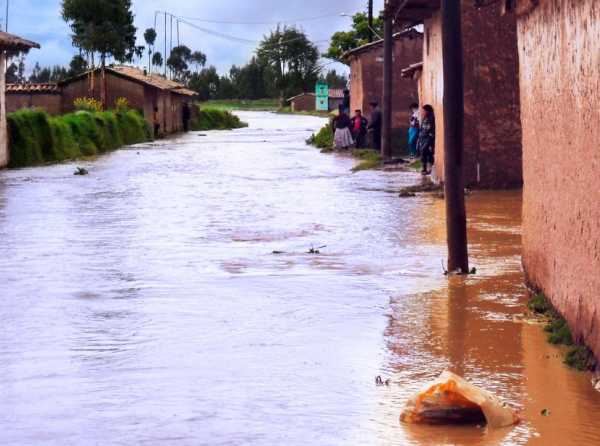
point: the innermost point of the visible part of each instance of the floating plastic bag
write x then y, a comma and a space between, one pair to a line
452, 400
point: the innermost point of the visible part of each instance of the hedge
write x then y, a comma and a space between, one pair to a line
37, 138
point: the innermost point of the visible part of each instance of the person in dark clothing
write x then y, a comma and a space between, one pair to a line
426, 142
186, 116
156, 121
341, 127
375, 125
346, 102
413, 130
359, 129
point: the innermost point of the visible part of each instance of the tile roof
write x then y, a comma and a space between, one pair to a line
299, 95
15, 43
409, 71
410, 33
33, 88
137, 75
336, 93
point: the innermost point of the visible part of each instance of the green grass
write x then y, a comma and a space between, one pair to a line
578, 357
37, 138
370, 159
216, 119
242, 104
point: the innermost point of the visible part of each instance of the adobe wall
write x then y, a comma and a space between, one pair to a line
493, 150
304, 103
51, 103
559, 49
366, 82
117, 87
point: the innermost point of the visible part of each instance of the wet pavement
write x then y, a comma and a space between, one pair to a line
143, 304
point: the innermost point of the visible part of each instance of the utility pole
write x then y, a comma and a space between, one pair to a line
165, 56
388, 80
456, 215
370, 16
6, 19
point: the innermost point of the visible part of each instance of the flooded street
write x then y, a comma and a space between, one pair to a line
143, 304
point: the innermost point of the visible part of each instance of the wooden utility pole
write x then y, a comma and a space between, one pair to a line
370, 16
456, 215
388, 81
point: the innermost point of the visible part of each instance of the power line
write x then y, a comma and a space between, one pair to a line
226, 22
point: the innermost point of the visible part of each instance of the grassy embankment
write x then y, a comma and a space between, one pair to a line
324, 140
241, 104
577, 356
37, 138
210, 118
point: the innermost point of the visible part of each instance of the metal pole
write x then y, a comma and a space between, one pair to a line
6, 20
165, 55
388, 82
456, 215
370, 20
178, 32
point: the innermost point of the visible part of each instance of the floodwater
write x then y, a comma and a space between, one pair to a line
143, 304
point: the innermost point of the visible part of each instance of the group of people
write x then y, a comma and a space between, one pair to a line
352, 132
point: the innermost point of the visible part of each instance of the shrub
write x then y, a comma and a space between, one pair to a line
215, 119
323, 139
87, 104
370, 159
122, 104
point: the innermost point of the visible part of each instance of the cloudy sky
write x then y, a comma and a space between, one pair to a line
40, 20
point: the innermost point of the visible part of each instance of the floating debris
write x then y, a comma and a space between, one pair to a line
452, 400
81, 171
545, 412
314, 250
380, 382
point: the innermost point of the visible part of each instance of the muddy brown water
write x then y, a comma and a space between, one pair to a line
142, 304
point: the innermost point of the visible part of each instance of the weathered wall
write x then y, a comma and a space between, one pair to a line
559, 49
493, 150
305, 102
51, 102
117, 87
366, 80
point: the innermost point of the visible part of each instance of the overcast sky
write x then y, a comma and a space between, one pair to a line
40, 20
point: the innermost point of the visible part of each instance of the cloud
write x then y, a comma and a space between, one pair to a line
40, 20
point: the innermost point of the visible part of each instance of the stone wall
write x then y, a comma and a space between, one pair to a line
559, 49
366, 82
493, 150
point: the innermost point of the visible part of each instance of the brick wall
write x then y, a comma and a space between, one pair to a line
366, 82
559, 49
493, 149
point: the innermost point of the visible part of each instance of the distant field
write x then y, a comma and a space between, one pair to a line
238, 104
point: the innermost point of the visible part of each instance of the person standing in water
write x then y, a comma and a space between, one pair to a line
375, 125
341, 127
413, 130
359, 129
426, 141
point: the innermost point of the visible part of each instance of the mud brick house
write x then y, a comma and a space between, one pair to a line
559, 52
9, 44
336, 98
493, 148
366, 78
45, 96
145, 92
303, 102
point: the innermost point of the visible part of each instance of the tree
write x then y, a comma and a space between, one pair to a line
104, 27
205, 83
335, 80
12, 74
157, 59
198, 58
150, 38
344, 41
178, 61
78, 65
293, 59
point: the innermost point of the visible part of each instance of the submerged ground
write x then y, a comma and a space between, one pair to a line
143, 304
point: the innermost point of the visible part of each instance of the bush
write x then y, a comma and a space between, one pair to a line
36, 138
122, 104
215, 119
370, 159
87, 104
323, 139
